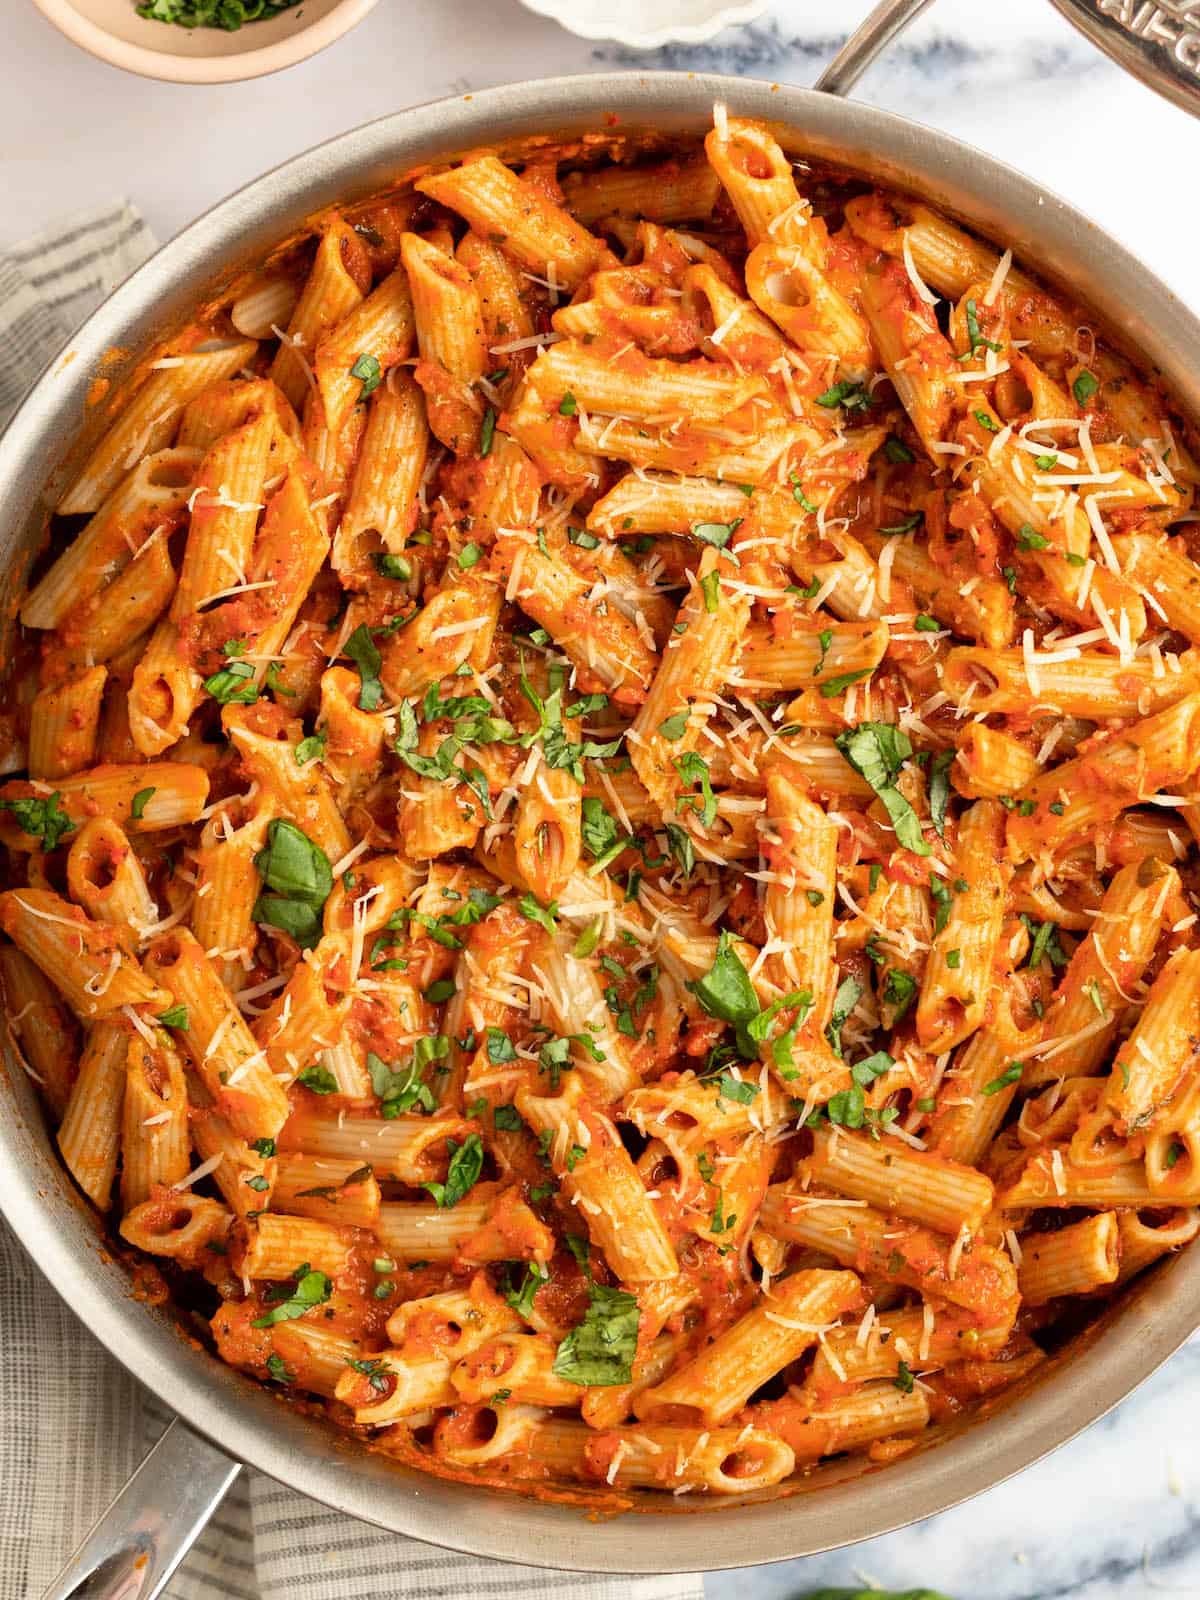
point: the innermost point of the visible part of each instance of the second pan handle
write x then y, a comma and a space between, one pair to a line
152, 1524
886, 22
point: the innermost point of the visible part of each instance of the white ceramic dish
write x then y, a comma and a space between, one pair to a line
112, 31
646, 24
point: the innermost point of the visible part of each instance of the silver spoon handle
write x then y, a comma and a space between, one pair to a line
152, 1524
1158, 43
889, 18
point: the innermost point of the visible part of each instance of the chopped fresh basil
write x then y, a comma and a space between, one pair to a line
311, 749
1085, 387
369, 373
877, 751
462, 1173
364, 652
43, 819
319, 1079
233, 685
311, 1289
599, 1352
717, 534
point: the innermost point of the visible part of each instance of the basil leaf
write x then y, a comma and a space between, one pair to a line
390, 566
466, 1163
175, 1016
319, 1079
725, 992
1085, 386
43, 819
939, 789
312, 1289
138, 809
849, 993
877, 750
599, 1352
292, 865
718, 534
311, 749
369, 373
399, 1090
233, 685
363, 651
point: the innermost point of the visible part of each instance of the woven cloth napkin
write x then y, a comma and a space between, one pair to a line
73, 1423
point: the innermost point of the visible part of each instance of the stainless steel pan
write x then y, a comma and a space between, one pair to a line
225, 1419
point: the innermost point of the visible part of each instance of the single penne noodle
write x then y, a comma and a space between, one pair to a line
667, 191
1076, 1260
1150, 1067
1048, 1178
276, 1245
64, 723
1145, 1237
717, 1383
153, 495
661, 1456
981, 1279
1082, 1018
787, 286
105, 877
221, 1047
224, 506
381, 509
944, 1195
410, 1150
1089, 685
180, 1227
758, 178
105, 624
89, 1136
955, 991
798, 843
640, 386
500, 285
397, 1386
611, 1196
226, 406
927, 1336
146, 424
334, 286
154, 1121
381, 327
477, 1436
522, 1363
39, 1027
606, 646
499, 205
86, 960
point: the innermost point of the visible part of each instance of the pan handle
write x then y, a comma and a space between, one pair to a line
152, 1524
886, 22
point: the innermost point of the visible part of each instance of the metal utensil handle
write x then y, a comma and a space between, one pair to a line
889, 18
1158, 43
152, 1524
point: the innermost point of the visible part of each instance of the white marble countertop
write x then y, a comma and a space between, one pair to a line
1116, 1514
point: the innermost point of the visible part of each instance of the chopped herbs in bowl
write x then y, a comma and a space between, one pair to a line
227, 14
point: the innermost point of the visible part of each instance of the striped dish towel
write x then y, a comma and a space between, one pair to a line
73, 1423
